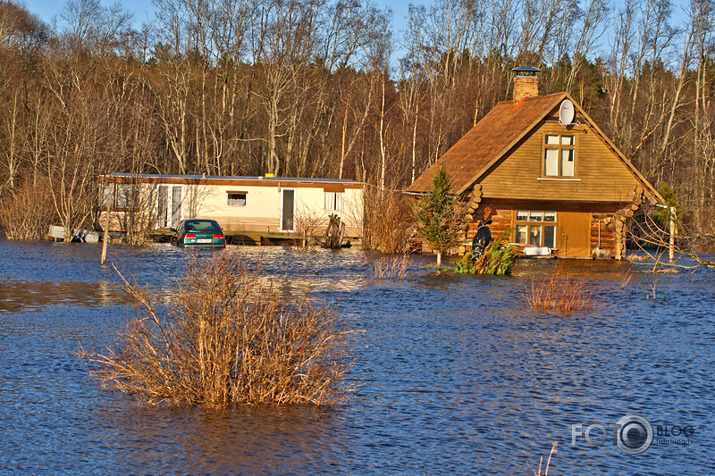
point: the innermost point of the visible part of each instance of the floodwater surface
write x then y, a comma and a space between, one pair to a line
454, 374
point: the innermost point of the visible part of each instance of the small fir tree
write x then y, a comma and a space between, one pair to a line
663, 214
437, 215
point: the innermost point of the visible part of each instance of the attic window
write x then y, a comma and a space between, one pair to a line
237, 199
559, 155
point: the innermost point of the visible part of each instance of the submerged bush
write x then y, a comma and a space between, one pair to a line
465, 265
498, 258
558, 291
229, 337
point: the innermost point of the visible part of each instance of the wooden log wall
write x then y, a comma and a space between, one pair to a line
621, 217
501, 221
474, 199
603, 234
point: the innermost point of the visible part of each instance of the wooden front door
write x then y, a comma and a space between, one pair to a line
574, 235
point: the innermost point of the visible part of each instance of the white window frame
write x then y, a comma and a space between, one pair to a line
535, 219
333, 201
559, 148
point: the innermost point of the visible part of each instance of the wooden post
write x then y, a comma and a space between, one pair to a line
620, 239
105, 240
671, 244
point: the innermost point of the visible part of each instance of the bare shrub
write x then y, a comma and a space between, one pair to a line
308, 224
388, 224
26, 213
392, 267
229, 338
561, 292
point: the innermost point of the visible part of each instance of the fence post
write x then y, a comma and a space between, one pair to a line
671, 243
105, 240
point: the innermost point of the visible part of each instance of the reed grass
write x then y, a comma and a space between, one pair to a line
548, 463
561, 292
229, 337
391, 267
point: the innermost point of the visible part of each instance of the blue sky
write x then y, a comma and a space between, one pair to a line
143, 9
48, 9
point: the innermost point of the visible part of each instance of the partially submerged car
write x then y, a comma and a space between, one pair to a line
199, 233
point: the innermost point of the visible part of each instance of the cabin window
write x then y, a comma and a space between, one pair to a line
237, 199
333, 201
536, 228
559, 155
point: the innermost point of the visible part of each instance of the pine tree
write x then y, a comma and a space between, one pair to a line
437, 215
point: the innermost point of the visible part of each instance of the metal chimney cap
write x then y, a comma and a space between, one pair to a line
527, 70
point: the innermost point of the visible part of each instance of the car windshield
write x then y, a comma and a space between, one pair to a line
202, 225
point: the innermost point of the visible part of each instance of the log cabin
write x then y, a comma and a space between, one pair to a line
546, 174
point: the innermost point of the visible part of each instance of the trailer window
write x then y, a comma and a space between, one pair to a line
237, 199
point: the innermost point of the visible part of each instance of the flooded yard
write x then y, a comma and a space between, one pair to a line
454, 374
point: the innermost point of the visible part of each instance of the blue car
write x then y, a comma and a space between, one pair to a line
197, 233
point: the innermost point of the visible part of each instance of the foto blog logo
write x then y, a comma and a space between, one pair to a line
632, 434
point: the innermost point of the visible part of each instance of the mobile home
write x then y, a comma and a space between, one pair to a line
239, 204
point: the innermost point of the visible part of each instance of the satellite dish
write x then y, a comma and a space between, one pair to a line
566, 112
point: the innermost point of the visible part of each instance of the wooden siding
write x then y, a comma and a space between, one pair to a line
599, 175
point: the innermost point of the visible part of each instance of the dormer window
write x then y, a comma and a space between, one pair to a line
559, 155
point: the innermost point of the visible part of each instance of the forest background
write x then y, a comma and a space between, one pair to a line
313, 88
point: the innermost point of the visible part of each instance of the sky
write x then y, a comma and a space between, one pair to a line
143, 10
48, 9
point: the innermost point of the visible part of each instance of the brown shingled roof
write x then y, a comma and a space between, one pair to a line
488, 141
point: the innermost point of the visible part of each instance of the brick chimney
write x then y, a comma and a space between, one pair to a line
526, 84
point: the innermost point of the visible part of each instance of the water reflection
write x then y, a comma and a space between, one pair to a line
454, 374
18, 296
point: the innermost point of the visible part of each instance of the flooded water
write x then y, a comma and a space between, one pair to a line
455, 375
